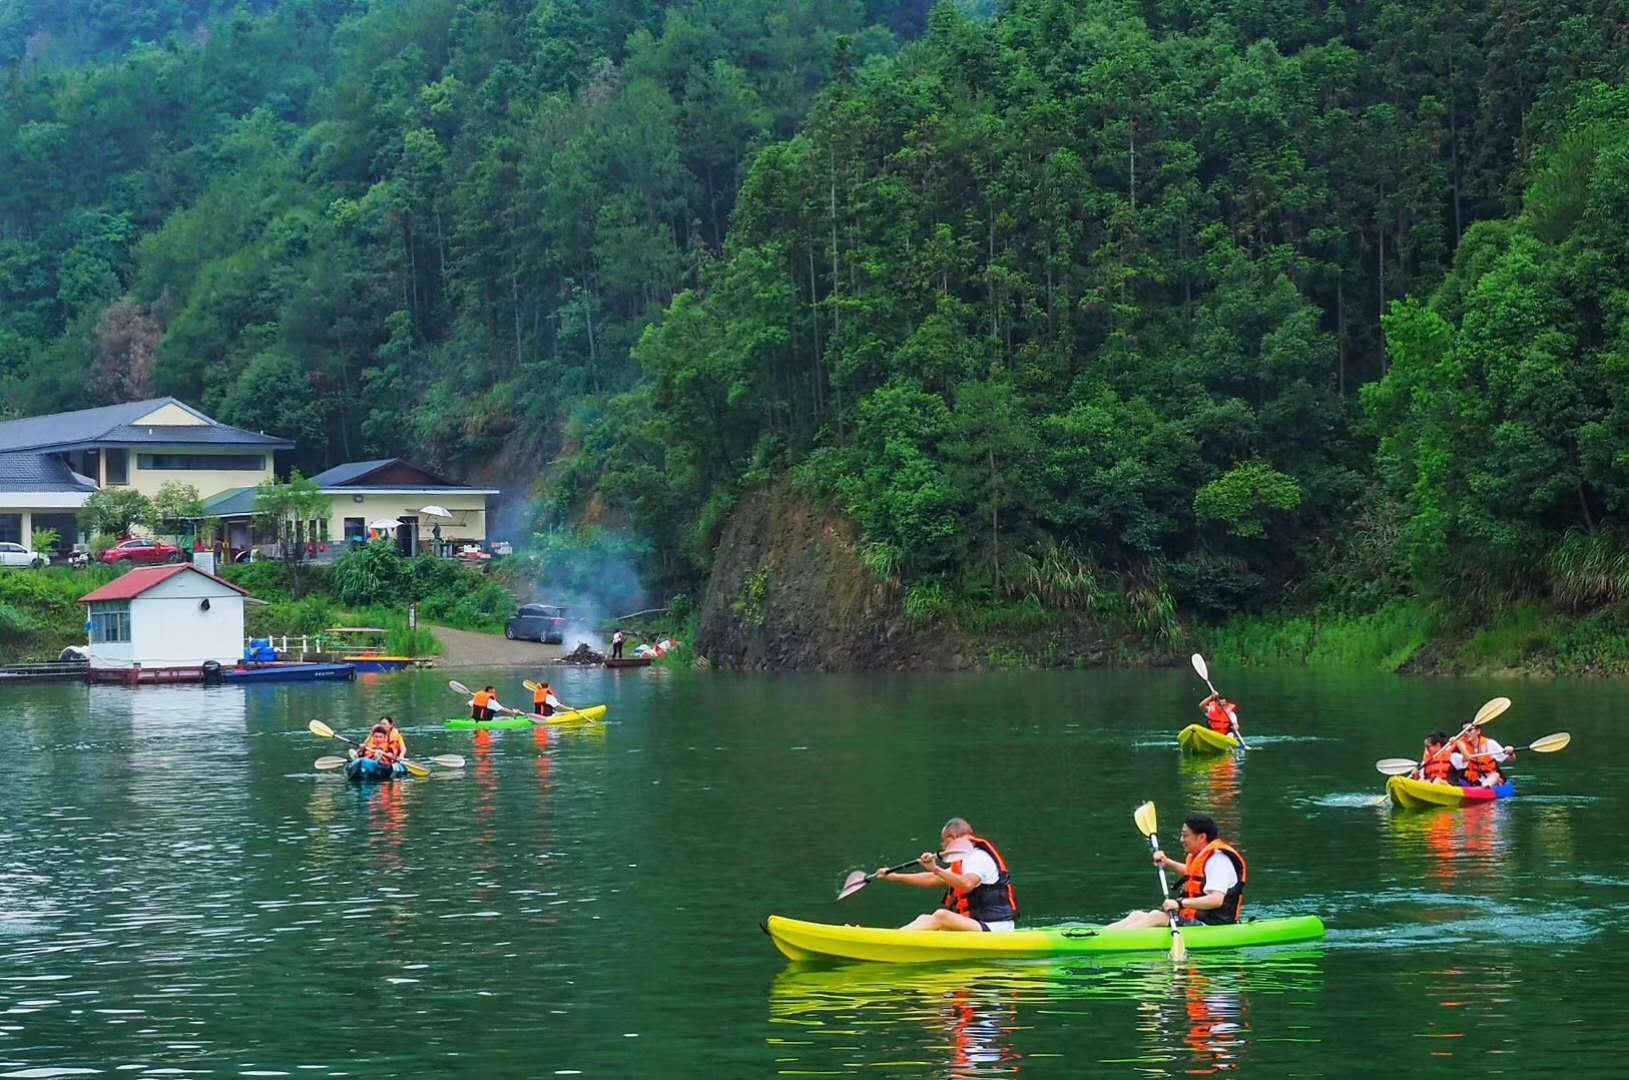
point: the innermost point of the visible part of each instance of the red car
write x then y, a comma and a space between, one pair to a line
143, 551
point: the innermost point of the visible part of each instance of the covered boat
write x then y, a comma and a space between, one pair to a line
288, 672
799, 940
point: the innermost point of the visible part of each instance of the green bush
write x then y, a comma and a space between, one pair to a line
40, 612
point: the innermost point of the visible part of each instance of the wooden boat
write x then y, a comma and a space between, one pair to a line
630, 661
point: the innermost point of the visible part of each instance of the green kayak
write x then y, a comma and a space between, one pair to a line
512, 723
800, 940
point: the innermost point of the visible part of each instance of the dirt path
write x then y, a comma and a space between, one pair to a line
464, 649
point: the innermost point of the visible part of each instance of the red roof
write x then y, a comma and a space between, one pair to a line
136, 582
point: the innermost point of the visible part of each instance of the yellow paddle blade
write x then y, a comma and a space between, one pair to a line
319, 728
1488, 713
1179, 948
416, 769
530, 685
1551, 743
1146, 818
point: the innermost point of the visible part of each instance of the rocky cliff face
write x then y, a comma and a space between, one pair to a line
789, 592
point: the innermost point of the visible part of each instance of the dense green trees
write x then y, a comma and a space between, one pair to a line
1185, 291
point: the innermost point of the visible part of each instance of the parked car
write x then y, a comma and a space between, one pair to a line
143, 551
18, 555
537, 622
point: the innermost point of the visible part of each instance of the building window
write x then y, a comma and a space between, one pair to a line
200, 463
11, 528
117, 463
109, 623
356, 531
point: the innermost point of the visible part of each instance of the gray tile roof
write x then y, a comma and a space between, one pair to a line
340, 474
233, 502
39, 472
115, 424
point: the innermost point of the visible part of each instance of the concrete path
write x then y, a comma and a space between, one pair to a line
466, 649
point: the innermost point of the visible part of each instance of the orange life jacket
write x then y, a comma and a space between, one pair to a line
482, 699
995, 902
540, 702
1220, 714
1193, 884
1439, 767
379, 748
1478, 763
398, 744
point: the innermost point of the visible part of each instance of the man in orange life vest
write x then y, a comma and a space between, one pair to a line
1211, 888
1222, 714
978, 889
1477, 758
485, 705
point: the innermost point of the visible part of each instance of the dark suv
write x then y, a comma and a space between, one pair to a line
537, 622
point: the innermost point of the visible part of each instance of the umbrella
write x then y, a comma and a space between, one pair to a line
385, 523
436, 511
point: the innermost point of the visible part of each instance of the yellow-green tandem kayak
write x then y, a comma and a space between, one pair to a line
1200, 739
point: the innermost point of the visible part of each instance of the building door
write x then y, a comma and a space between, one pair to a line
407, 536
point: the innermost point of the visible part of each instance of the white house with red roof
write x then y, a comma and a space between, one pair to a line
173, 616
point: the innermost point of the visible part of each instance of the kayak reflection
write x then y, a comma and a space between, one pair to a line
984, 1019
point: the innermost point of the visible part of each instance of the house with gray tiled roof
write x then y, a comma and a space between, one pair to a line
49, 465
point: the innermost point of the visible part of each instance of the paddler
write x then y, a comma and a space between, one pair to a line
485, 705
1211, 888
978, 889
1478, 757
1437, 767
544, 703
398, 743
1221, 714
378, 746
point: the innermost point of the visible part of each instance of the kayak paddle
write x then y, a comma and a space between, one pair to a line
534, 688
1148, 824
1203, 671
330, 762
1401, 766
1490, 711
859, 879
324, 731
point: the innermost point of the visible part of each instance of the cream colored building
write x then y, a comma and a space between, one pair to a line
49, 465
363, 494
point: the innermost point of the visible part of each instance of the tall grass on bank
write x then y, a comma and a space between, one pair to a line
40, 612
1383, 640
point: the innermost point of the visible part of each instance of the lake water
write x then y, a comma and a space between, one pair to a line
182, 894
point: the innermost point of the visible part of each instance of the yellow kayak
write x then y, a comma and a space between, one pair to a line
1200, 739
1408, 794
799, 940
590, 715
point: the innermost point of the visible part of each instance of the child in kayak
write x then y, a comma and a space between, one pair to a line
978, 889
1221, 714
1211, 888
398, 743
379, 746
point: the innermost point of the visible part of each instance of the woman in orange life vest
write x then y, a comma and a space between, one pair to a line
485, 705
1438, 768
398, 744
1221, 713
1212, 883
978, 889
1477, 757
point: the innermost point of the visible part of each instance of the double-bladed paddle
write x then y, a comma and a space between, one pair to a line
1402, 766
1490, 711
1148, 824
1203, 671
859, 879
459, 688
317, 727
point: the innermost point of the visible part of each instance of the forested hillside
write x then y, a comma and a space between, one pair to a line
1239, 305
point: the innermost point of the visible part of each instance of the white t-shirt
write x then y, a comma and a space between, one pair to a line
977, 863
1220, 874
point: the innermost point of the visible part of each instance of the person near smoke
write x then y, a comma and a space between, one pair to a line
616, 644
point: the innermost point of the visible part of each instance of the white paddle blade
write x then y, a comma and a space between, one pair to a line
1491, 711
448, 761
458, 688
853, 884
1396, 766
1199, 667
1147, 819
329, 763
317, 727
1551, 743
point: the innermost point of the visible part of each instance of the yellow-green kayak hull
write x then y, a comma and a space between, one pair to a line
799, 940
1410, 794
1200, 739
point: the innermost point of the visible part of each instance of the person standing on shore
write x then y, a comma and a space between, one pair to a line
617, 640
